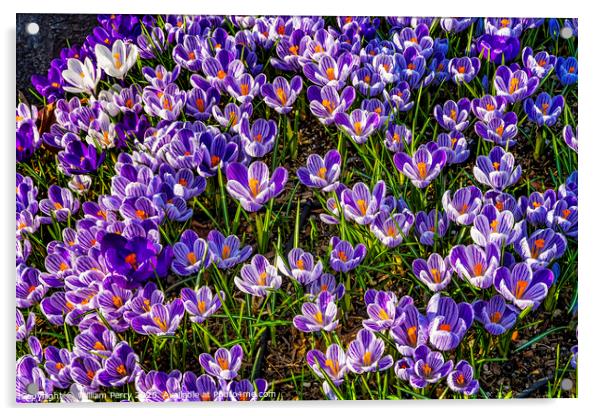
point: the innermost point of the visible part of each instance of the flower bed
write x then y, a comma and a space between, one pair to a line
260, 208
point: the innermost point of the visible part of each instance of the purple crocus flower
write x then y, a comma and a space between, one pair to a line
200, 102
161, 320
226, 251
245, 87
488, 107
545, 109
361, 205
461, 380
425, 227
244, 390
325, 103
367, 82
456, 24
570, 138
190, 254
300, 266
120, 368
448, 322
399, 96
463, 70
494, 227
455, 146
224, 364
397, 137
536, 207
495, 316
166, 104
32, 385
160, 77
201, 304
425, 367
232, 115
391, 229
326, 283
475, 264
424, 166
417, 39
359, 125
541, 248
329, 71
464, 206
332, 364
23, 326
96, 341
563, 217
567, 70
435, 272
344, 257
514, 85
523, 286
30, 289
80, 158
496, 48
411, 332
384, 310
252, 186
453, 116
157, 386
60, 203
539, 64
321, 172
497, 170
258, 139
57, 365
365, 353
280, 95
499, 130
318, 316
257, 277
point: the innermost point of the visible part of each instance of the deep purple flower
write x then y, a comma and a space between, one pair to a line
344, 257
325, 103
425, 227
96, 340
57, 365
453, 116
201, 304
200, 102
455, 146
423, 368
258, 139
224, 364
488, 107
456, 24
495, 316
522, 286
157, 386
217, 153
161, 320
539, 64
499, 130
514, 85
367, 82
244, 390
541, 248
464, 206
497, 170
28, 375
391, 229
23, 326
461, 379
365, 353
140, 209
120, 368
475, 264
537, 205
190, 254
258, 277
300, 266
332, 364
227, 251
280, 95
321, 172
329, 71
326, 283
496, 49
26, 142
417, 39
361, 205
570, 138
252, 186
545, 109
318, 316
399, 97
30, 289
411, 332
60, 203
435, 272
448, 322
359, 124
464, 70
424, 166
564, 217
567, 70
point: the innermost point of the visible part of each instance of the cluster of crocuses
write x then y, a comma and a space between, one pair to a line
174, 105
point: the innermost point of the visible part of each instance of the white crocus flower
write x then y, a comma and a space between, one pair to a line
116, 62
81, 76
